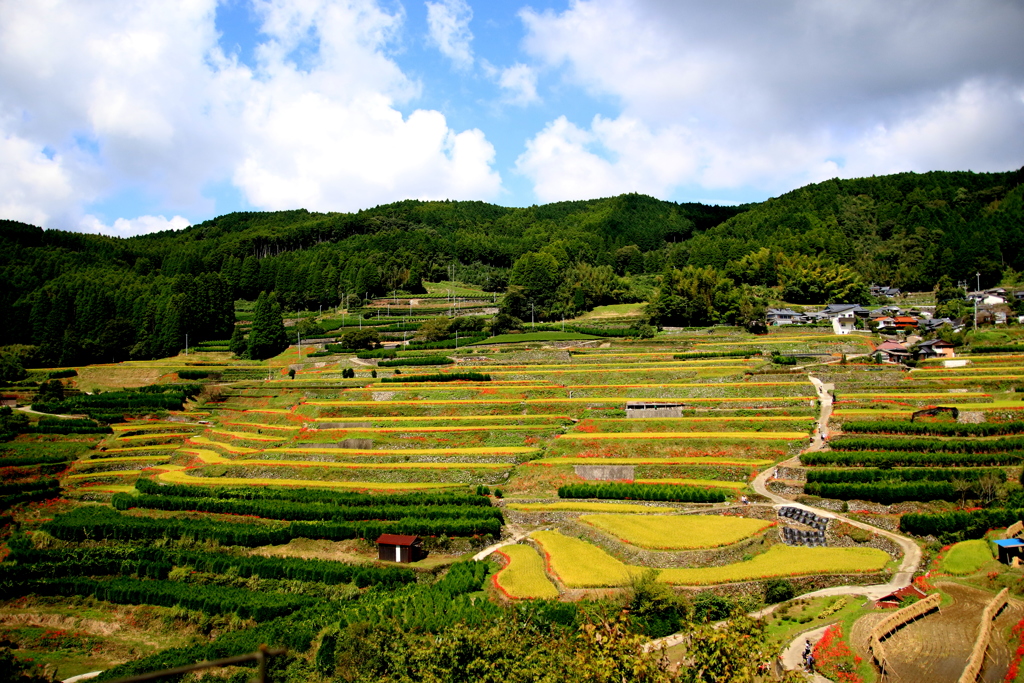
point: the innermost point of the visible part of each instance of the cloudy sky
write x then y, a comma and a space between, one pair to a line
129, 116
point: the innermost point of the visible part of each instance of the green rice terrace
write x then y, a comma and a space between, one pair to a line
159, 513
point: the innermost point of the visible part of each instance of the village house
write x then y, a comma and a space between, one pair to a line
884, 323
783, 316
935, 348
892, 352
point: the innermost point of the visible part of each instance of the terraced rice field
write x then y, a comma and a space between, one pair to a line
782, 560
676, 532
579, 564
524, 576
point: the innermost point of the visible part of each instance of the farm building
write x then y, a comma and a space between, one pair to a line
896, 598
648, 409
1009, 549
399, 548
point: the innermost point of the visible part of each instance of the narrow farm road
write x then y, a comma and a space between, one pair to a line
911, 551
516, 537
793, 656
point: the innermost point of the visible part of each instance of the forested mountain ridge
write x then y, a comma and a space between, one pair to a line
904, 230
86, 298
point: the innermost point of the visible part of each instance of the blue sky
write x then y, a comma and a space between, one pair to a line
130, 116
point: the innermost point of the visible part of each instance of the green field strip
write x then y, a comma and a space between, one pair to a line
824, 339
537, 401
449, 386
684, 420
132, 449
247, 435
922, 395
230, 448
707, 483
260, 425
646, 460
374, 465
370, 452
182, 477
143, 437
129, 458
992, 377
569, 506
630, 436
475, 428
392, 418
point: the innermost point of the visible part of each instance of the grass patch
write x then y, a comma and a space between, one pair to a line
782, 560
676, 532
524, 576
967, 557
579, 564
715, 483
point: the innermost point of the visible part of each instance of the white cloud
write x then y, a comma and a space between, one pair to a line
137, 94
519, 83
448, 25
774, 95
143, 225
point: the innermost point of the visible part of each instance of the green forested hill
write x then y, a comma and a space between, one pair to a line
86, 298
904, 230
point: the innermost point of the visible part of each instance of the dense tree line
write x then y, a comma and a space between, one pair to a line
74, 298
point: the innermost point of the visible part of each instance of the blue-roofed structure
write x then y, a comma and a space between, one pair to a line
1010, 548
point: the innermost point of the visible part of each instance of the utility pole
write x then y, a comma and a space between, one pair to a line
532, 322
186, 344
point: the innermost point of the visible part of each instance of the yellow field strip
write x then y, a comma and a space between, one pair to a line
116, 473
676, 532
782, 560
682, 460
632, 436
137, 426
182, 477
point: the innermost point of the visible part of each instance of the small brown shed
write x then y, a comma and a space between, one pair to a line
399, 548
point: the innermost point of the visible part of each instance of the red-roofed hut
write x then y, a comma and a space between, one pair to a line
399, 548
